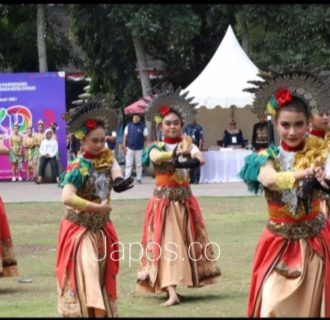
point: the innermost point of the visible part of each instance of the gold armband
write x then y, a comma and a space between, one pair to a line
165, 155
285, 180
80, 203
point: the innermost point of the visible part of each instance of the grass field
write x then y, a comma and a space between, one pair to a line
233, 223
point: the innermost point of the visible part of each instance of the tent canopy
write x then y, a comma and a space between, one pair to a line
226, 75
138, 106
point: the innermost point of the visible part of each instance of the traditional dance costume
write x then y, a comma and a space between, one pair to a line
175, 245
29, 145
87, 256
290, 273
290, 276
16, 150
325, 135
8, 263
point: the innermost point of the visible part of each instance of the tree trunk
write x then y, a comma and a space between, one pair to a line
245, 36
142, 64
41, 38
241, 20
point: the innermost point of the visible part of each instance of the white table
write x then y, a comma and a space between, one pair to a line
222, 165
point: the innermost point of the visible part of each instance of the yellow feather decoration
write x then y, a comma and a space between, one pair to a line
315, 153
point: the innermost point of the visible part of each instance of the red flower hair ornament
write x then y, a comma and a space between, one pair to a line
283, 96
91, 124
164, 111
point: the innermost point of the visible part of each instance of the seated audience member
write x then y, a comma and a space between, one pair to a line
48, 150
233, 137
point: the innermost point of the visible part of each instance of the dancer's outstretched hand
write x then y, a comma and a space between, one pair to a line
305, 191
320, 175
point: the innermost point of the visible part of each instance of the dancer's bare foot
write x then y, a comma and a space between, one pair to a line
181, 297
171, 301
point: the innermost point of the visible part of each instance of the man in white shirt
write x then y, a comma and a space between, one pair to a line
48, 150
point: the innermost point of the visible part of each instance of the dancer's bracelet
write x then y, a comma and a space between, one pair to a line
285, 180
80, 203
165, 155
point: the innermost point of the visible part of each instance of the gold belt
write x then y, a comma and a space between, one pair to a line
90, 220
179, 193
299, 229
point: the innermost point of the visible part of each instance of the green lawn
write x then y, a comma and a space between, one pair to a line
234, 223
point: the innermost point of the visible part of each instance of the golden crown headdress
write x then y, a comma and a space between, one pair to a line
84, 117
276, 88
161, 100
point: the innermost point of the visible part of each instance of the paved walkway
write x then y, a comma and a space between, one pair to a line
31, 192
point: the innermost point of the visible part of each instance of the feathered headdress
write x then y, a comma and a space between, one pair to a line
278, 90
162, 101
88, 116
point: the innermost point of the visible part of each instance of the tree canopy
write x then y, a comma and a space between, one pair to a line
18, 47
183, 36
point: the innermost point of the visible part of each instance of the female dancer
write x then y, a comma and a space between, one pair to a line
87, 256
29, 143
8, 263
16, 153
39, 136
290, 276
176, 250
319, 127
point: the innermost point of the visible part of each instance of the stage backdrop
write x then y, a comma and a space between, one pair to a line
24, 99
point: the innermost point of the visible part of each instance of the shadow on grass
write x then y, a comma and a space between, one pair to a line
207, 297
195, 298
11, 290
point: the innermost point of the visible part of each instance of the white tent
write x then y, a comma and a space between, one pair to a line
222, 80
220, 84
